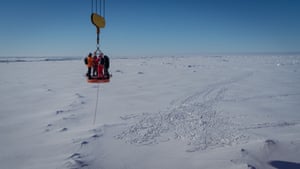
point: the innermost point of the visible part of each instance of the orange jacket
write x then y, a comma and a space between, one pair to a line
90, 62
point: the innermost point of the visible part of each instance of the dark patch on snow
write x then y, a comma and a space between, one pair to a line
77, 162
59, 111
48, 127
84, 143
284, 165
130, 116
75, 155
250, 166
96, 136
79, 95
270, 143
70, 117
81, 163
119, 71
63, 129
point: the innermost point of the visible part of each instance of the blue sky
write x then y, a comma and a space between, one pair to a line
150, 27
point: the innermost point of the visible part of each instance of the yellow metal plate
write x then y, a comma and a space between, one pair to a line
98, 20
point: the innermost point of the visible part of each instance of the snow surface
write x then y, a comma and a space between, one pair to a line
229, 112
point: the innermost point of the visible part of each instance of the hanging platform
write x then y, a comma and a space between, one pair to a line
98, 80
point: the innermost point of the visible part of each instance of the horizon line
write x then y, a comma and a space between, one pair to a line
174, 54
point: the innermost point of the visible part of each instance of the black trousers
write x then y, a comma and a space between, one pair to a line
95, 71
88, 74
106, 73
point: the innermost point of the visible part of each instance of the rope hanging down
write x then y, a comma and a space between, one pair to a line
96, 104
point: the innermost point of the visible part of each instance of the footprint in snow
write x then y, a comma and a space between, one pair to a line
48, 128
119, 71
63, 129
83, 143
76, 161
96, 136
59, 112
79, 95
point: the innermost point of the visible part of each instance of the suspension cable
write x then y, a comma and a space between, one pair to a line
104, 9
100, 6
95, 7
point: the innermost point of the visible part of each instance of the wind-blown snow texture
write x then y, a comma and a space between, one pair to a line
167, 113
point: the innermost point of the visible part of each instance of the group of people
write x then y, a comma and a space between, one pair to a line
97, 66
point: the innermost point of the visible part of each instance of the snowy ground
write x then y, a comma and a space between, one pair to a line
233, 112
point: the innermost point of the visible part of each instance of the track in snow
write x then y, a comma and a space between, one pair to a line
195, 119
